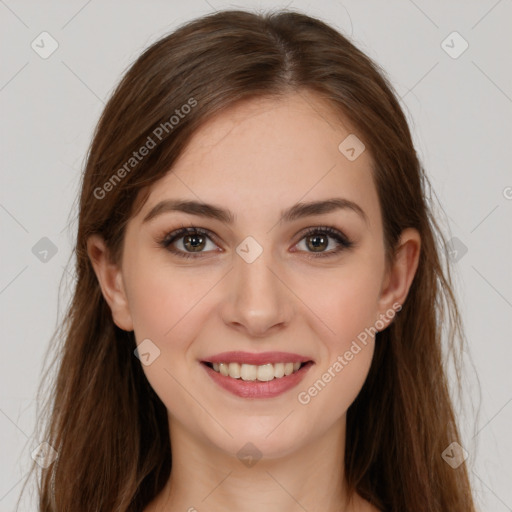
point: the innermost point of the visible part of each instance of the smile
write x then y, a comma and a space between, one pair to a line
257, 375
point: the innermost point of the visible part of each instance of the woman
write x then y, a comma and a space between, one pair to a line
260, 297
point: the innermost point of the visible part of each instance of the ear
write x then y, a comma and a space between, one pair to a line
399, 277
110, 279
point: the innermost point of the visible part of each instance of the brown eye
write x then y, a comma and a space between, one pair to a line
194, 243
189, 242
317, 243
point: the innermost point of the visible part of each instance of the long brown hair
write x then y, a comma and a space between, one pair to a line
103, 418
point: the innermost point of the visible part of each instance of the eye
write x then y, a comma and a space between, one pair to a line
316, 240
192, 242
189, 241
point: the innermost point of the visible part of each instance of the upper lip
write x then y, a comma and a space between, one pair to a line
256, 358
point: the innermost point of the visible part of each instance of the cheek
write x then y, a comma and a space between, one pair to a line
327, 395
345, 301
349, 308
165, 301
169, 306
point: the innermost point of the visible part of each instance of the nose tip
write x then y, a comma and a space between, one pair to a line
257, 324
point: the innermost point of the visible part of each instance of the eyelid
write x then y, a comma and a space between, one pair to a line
343, 241
176, 234
329, 230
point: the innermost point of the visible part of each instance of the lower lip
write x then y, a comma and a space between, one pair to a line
257, 389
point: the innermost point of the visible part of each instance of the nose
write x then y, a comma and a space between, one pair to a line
257, 302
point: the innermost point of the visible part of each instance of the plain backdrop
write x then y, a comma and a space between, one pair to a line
449, 63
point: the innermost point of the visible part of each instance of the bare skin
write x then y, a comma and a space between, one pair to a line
257, 159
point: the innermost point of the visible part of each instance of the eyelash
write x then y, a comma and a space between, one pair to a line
169, 238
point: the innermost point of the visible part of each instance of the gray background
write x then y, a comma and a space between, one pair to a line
459, 110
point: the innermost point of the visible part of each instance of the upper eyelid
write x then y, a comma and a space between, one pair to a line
182, 231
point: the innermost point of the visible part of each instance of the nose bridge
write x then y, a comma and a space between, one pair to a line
259, 301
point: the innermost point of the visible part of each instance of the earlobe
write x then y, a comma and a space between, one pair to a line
111, 282
403, 269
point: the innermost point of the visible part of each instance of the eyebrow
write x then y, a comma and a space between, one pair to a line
295, 212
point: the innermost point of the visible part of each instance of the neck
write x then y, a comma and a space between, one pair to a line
203, 477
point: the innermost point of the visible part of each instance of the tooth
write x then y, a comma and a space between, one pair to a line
288, 368
248, 372
234, 370
266, 372
278, 370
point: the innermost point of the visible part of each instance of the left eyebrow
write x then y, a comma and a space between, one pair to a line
295, 212
300, 210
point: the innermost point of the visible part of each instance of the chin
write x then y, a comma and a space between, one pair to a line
262, 439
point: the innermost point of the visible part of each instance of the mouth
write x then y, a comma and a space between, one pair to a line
257, 381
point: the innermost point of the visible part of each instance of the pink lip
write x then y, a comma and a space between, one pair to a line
257, 389
257, 359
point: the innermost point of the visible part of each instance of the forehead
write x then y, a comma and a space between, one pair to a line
268, 153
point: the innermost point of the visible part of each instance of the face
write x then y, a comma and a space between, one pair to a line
311, 283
